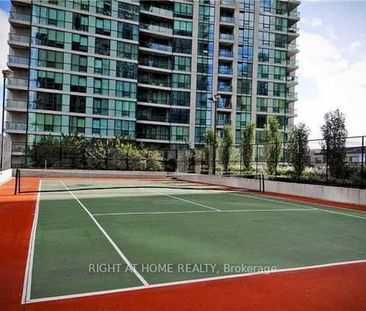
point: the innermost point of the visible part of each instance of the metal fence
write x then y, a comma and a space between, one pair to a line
200, 160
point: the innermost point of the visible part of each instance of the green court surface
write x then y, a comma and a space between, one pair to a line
183, 230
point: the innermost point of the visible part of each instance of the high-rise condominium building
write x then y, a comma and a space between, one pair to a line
149, 70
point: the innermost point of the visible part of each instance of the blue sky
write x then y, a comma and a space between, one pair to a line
332, 61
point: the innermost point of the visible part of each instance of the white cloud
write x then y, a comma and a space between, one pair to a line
354, 45
340, 83
316, 22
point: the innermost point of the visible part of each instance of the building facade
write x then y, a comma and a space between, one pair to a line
149, 70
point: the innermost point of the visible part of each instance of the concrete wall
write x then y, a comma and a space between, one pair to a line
328, 193
7, 152
5, 176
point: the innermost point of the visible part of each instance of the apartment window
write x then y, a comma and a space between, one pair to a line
102, 46
50, 59
82, 5
77, 103
50, 38
47, 101
100, 106
125, 109
183, 10
103, 27
181, 81
124, 128
77, 125
80, 22
49, 80
127, 31
101, 66
154, 96
182, 46
179, 115
101, 86
46, 122
78, 84
100, 126
104, 7
125, 89
49, 16
79, 63
127, 50
262, 88
128, 11
182, 63
179, 133
182, 28
180, 98
79, 43
126, 70
244, 103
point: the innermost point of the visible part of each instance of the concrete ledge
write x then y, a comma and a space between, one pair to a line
5, 176
326, 193
89, 174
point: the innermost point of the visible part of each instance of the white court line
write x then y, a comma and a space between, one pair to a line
118, 250
29, 264
192, 202
210, 279
221, 211
305, 206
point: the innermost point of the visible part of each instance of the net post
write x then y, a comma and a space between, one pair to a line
263, 189
362, 161
16, 181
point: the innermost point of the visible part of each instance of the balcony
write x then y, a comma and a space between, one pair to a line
226, 36
224, 88
291, 96
228, 3
292, 49
227, 19
18, 40
225, 70
223, 104
226, 53
22, 2
294, 14
15, 126
16, 104
156, 46
165, 83
18, 148
20, 84
18, 61
292, 80
156, 11
159, 30
19, 19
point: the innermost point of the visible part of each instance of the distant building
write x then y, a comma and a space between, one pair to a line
147, 70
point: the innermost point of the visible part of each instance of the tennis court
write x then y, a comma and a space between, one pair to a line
101, 236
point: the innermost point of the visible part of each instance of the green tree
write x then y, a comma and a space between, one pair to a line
272, 147
226, 147
298, 148
247, 143
334, 146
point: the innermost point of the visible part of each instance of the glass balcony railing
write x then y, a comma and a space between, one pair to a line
18, 147
226, 36
17, 82
292, 63
15, 126
225, 88
291, 95
152, 135
151, 62
13, 16
295, 14
225, 70
291, 79
18, 60
155, 28
156, 46
292, 47
19, 104
227, 19
152, 81
228, 2
156, 10
226, 53
18, 38
224, 104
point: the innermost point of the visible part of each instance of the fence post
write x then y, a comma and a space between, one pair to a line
256, 158
362, 161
